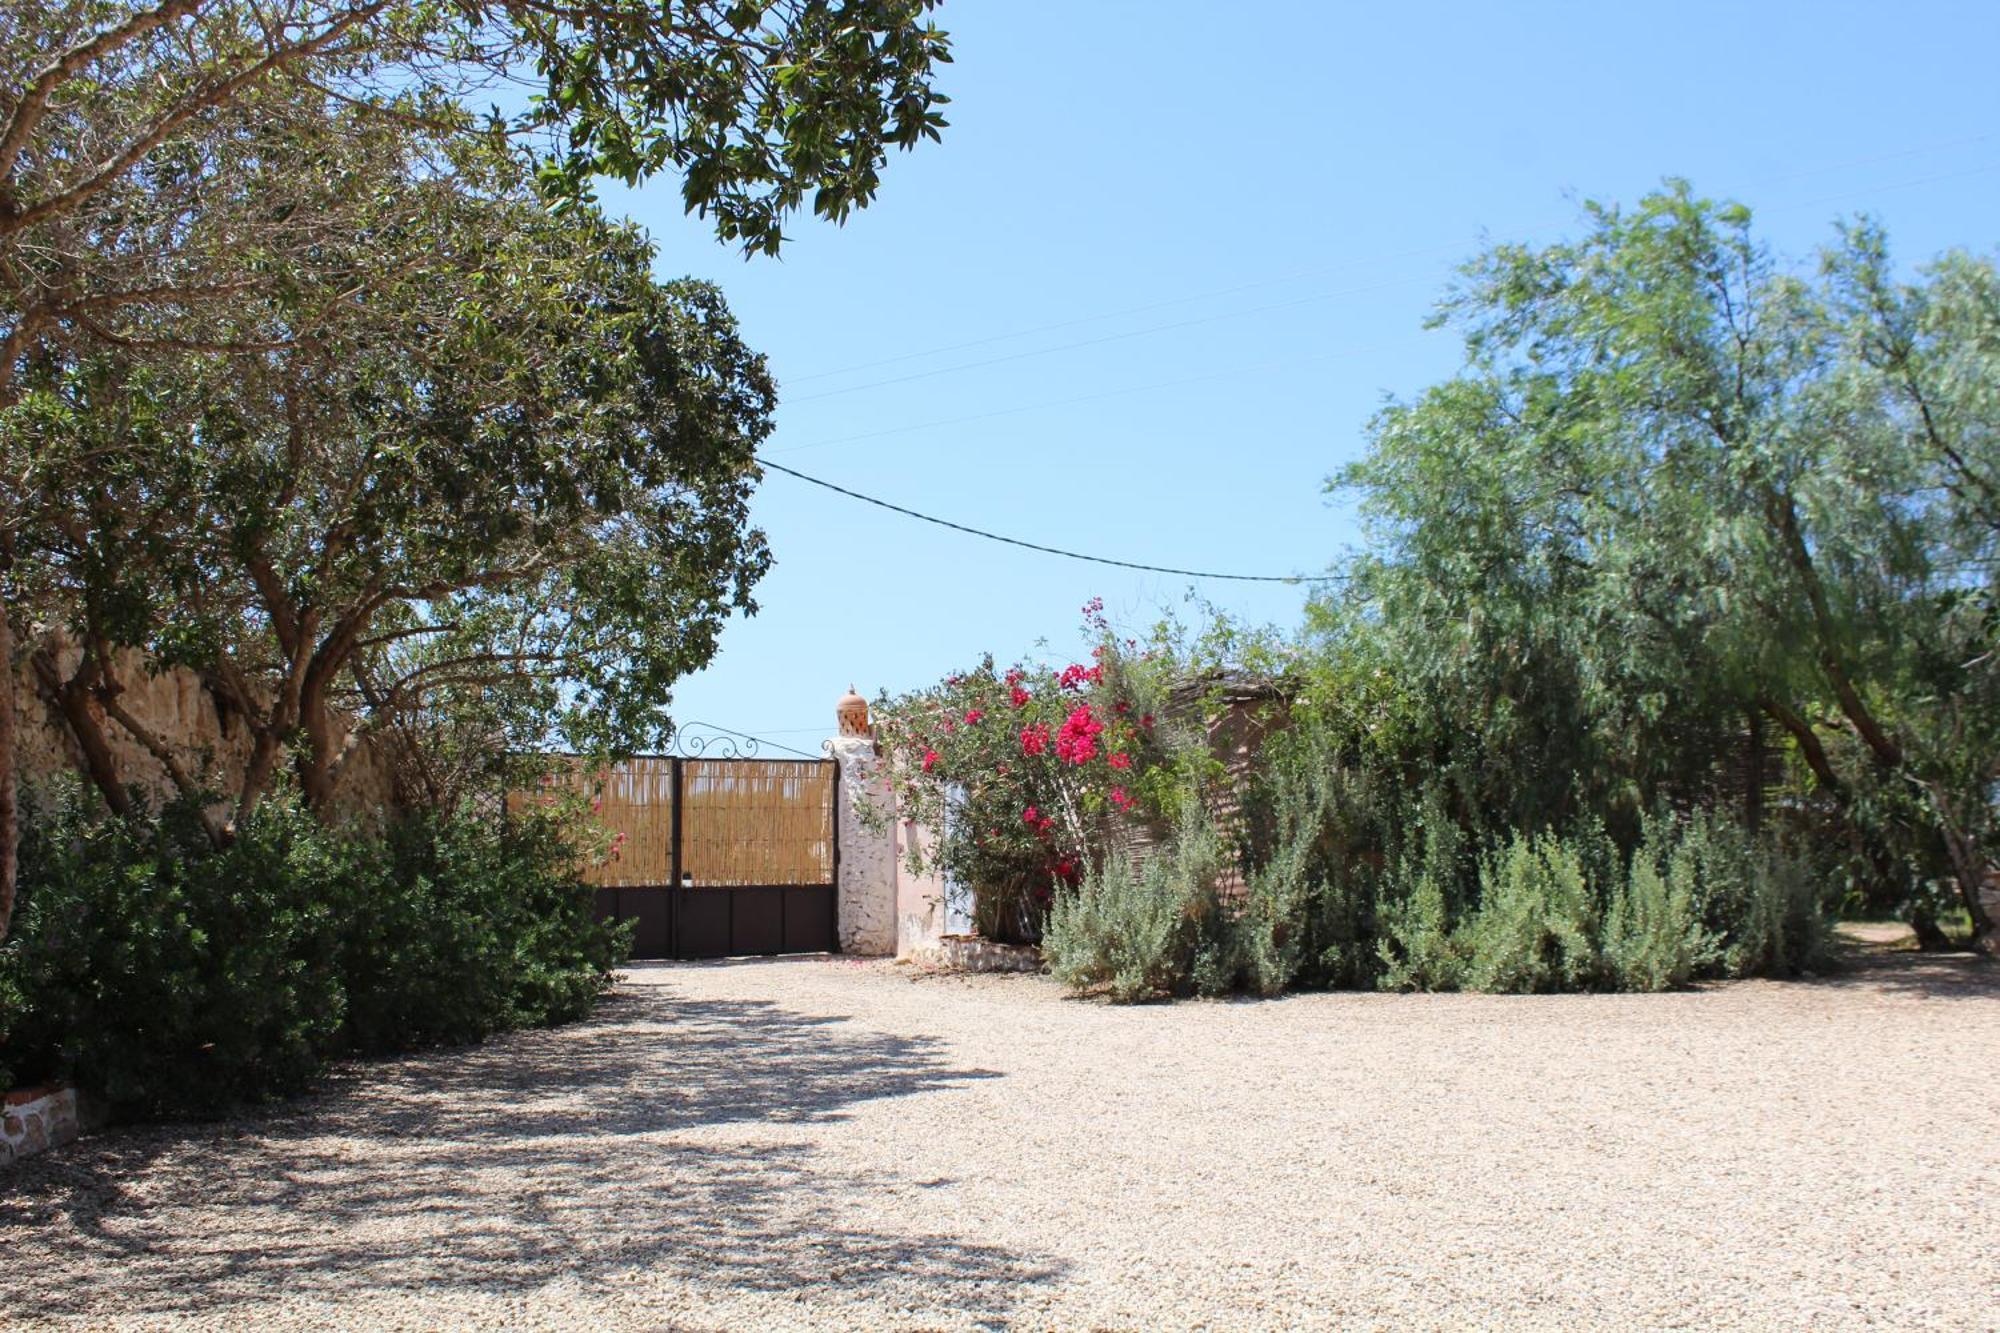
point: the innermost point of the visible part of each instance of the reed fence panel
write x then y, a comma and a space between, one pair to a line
757, 821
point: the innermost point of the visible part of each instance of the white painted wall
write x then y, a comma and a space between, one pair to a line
866, 883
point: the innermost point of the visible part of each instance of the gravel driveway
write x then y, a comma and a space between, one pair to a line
830, 1143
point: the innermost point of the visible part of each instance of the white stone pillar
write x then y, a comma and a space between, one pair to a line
866, 882
921, 915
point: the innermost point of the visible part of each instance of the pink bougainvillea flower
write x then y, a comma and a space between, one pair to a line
1076, 675
1147, 721
972, 716
1119, 798
1076, 742
1020, 697
930, 760
1015, 676
1121, 708
1120, 760
1030, 815
1035, 739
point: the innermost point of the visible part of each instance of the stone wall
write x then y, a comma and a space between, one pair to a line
922, 902
34, 1120
865, 882
884, 908
175, 706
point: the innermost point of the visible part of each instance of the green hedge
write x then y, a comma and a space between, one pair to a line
1696, 898
173, 978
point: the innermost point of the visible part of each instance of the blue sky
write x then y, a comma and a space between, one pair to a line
1171, 257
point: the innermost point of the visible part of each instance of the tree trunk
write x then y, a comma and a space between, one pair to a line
1969, 868
1887, 751
1986, 921
1753, 772
1930, 935
318, 757
257, 774
75, 700
10, 817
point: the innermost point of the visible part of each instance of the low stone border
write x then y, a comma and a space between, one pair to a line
36, 1119
971, 953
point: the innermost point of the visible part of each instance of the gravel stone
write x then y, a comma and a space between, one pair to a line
819, 1142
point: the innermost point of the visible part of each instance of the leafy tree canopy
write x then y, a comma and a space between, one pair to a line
1680, 495
484, 451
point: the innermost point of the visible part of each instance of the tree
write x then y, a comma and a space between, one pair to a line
1676, 487
122, 125
509, 459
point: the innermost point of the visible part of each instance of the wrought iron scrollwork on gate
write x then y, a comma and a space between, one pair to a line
705, 740
700, 740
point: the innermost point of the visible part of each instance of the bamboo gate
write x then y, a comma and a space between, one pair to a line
718, 858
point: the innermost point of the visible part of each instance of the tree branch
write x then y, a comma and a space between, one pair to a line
16, 219
34, 101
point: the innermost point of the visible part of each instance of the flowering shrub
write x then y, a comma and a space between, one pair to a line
1019, 767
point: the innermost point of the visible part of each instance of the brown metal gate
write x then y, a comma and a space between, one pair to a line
721, 857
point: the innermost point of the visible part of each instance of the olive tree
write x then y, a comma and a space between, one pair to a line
128, 129
509, 458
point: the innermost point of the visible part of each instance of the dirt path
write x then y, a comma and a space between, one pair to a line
820, 1142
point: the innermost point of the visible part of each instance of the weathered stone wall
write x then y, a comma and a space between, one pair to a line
971, 953
34, 1120
866, 882
174, 706
884, 908
922, 903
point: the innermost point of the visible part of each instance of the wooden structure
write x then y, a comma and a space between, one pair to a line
718, 858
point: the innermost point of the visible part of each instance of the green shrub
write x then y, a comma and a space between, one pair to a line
1166, 929
168, 978
1653, 933
1766, 908
1537, 923
1310, 914
1418, 947
1140, 934
174, 978
1274, 929
1698, 898
465, 927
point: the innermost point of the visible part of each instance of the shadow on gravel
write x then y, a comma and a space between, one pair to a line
1929, 976
540, 1157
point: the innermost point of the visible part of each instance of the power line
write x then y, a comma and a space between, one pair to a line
1049, 550
1165, 569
